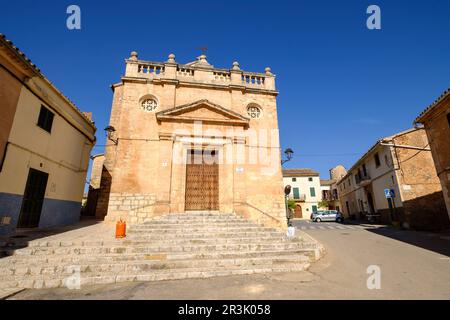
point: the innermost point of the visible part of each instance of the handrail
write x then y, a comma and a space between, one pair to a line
257, 209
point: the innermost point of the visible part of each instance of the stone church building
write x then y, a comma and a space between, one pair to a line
192, 137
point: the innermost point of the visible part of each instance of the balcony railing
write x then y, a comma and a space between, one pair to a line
300, 198
362, 179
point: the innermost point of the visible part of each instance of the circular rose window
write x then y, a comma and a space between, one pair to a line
254, 112
149, 105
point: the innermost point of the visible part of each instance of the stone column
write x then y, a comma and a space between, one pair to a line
269, 82
170, 68
132, 68
236, 75
163, 199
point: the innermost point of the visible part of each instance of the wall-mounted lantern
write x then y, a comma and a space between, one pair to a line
289, 154
110, 133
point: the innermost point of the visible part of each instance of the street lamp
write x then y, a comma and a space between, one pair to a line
110, 130
289, 153
287, 192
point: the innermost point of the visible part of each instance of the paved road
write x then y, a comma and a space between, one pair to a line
413, 266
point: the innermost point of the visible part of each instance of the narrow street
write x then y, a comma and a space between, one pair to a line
414, 265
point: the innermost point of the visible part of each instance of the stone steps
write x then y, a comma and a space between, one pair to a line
92, 278
200, 225
217, 235
156, 240
151, 248
177, 246
135, 266
156, 256
197, 230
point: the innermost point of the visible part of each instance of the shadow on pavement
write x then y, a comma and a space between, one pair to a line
21, 238
438, 242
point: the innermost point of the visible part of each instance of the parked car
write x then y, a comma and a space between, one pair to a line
327, 215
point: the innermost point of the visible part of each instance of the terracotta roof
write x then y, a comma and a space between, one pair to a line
303, 172
9, 44
432, 106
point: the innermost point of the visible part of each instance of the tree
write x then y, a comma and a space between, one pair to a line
323, 204
292, 204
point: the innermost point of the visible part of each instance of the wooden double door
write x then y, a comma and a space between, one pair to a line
202, 180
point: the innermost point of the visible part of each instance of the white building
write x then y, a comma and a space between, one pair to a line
305, 190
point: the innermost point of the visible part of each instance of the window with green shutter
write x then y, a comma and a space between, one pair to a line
314, 208
313, 192
296, 193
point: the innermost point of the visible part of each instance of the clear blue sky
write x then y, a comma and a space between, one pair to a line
341, 85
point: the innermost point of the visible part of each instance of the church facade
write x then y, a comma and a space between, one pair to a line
192, 137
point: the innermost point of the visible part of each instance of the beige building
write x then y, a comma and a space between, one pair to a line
97, 167
332, 196
189, 137
305, 190
45, 143
401, 163
436, 120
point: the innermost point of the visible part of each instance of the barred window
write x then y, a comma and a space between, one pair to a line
149, 105
254, 111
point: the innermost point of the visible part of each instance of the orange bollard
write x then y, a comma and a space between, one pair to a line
121, 228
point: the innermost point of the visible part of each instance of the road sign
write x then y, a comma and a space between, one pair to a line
389, 193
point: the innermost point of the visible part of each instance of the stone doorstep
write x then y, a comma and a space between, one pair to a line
153, 265
92, 279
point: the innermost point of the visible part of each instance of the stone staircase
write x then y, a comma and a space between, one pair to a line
176, 246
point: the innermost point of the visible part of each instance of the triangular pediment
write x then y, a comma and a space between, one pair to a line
202, 110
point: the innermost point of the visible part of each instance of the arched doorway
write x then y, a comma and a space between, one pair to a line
298, 212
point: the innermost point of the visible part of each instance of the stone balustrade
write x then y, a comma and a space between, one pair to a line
252, 79
150, 69
199, 72
222, 76
185, 72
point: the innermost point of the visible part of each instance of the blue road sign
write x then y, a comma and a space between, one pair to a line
389, 193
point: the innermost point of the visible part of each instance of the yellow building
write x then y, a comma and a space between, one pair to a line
189, 137
45, 143
396, 180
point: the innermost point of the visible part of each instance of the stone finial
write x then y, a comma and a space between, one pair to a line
133, 55
236, 66
171, 58
268, 71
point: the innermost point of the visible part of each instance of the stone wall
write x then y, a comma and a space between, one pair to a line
131, 207
420, 188
437, 125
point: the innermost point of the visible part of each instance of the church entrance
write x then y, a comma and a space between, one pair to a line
202, 180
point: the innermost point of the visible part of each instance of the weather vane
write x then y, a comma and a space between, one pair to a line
204, 50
